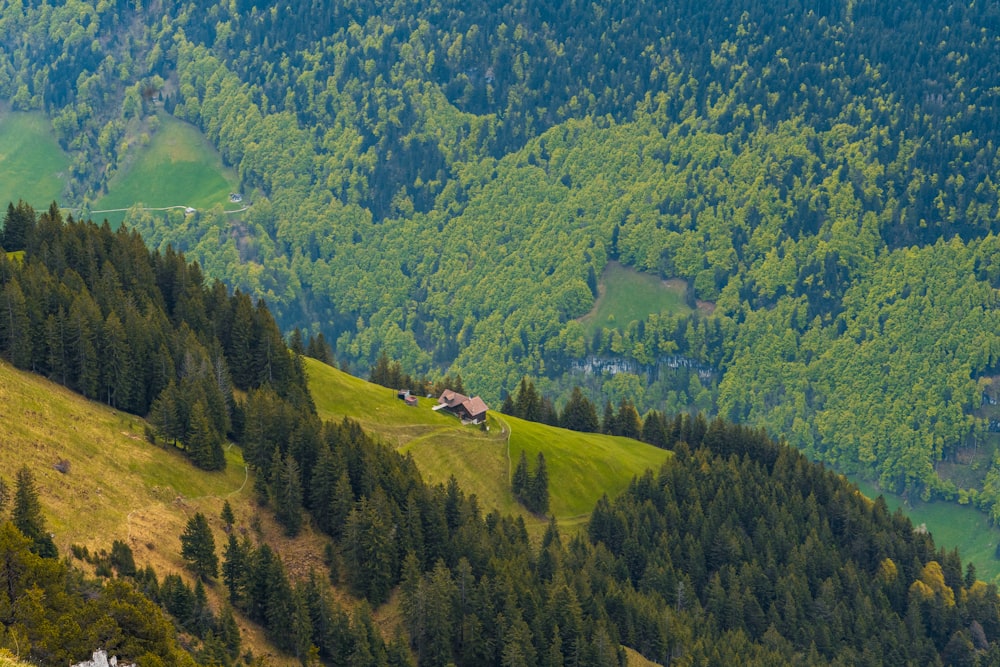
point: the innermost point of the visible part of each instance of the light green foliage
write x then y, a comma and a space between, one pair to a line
893, 392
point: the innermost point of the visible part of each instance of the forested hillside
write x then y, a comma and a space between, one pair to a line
738, 551
447, 183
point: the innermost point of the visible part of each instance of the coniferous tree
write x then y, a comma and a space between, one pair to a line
235, 568
204, 443
538, 491
522, 478
341, 505
366, 556
198, 547
287, 489
580, 414
321, 488
27, 514
14, 325
17, 226
167, 415
240, 350
4, 496
296, 343
609, 423
548, 413
654, 430
527, 403
380, 371
319, 349
507, 407
55, 342
122, 559
227, 516
627, 422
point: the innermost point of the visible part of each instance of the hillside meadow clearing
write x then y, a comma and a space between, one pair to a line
625, 294
32, 165
179, 167
118, 486
952, 525
581, 466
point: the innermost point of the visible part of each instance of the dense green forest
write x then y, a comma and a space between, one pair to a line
447, 183
682, 568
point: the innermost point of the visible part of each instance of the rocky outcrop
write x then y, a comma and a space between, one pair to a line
100, 659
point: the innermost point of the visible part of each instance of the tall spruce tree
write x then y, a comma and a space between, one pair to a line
609, 423
235, 568
198, 547
627, 422
27, 514
287, 489
204, 443
521, 478
580, 414
538, 489
527, 403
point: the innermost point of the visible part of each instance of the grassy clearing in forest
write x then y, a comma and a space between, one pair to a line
120, 487
627, 295
178, 167
32, 165
952, 525
581, 466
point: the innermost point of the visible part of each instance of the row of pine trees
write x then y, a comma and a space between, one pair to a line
580, 414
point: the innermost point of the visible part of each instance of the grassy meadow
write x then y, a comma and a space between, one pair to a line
582, 466
32, 165
178, 167
952, 525
118, 486
626, 295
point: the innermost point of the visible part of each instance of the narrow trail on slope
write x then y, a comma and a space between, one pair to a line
246, 477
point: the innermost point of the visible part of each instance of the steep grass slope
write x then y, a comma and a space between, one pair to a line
119, 486
581, 466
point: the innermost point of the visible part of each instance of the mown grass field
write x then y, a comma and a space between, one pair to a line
627, 295
32, 165
952, 525
581, 466
178, 167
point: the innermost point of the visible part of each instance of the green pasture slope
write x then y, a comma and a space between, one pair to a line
627, 295
32, 165
581, 466
178, 167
